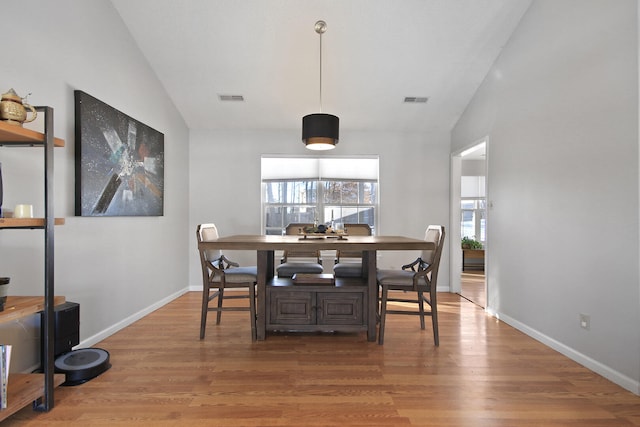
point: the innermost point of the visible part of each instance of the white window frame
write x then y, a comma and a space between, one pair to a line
321, 170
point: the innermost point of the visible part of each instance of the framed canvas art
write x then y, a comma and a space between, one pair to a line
119, 162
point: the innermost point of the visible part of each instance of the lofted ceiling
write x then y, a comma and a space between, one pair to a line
374, 54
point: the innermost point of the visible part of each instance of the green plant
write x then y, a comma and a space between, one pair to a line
469, 243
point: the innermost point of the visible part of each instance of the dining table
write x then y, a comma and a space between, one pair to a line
266, 245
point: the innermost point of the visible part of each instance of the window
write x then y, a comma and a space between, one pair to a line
304, 189
473, 208
473, 219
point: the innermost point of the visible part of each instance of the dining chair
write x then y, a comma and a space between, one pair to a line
420, 277
353, 265
220, 274
292, 262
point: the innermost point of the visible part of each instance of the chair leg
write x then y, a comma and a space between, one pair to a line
378, 302
421, 308
203, 316
383, 314
434, 317
252, 312
220, 296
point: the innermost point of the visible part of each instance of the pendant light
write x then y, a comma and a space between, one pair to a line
320, 130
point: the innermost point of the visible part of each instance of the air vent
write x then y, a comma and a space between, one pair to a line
415, 99
231, 97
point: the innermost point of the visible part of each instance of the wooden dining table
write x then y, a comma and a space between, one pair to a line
266, 245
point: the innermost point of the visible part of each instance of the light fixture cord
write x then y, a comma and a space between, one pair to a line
321, 72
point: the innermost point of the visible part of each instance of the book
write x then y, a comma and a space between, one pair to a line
5, 360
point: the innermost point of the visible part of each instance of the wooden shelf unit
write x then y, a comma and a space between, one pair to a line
17, 135
36, 388
18, 307
25, 388
27, 222
473, 259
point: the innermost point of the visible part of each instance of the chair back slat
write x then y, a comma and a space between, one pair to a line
294, 229
206, 233
353, 230
433, 234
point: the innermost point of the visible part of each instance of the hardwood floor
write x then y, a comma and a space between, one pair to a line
484, 373
473, 287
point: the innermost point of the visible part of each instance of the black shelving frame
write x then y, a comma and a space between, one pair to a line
46, 402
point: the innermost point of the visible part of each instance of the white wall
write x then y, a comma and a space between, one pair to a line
115, 268
560, 107
225, 184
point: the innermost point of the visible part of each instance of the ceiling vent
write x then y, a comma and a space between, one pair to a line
415, 99
231, 97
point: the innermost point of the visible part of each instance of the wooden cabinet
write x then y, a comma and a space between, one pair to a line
36, 388
340, 307
472, 259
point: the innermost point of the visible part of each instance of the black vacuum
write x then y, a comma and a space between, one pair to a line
79, 366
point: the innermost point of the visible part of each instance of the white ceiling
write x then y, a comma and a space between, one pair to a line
375, 53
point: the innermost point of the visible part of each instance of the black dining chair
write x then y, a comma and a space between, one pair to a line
419, 277
220, 274
349, 263
293, 262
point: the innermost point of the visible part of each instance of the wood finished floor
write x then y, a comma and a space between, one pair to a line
484, 373
473, 287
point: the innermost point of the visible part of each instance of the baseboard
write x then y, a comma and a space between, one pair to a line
89, 342
589, 363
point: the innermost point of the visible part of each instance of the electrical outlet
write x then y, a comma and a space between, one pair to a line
585, 321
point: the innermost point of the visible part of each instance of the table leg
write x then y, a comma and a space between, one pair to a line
265, 273
369, 268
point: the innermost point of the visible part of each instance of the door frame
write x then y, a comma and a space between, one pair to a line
455, 254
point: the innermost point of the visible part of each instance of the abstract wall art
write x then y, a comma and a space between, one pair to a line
119, 162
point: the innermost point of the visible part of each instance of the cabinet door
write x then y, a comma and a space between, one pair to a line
291, 308
340, 308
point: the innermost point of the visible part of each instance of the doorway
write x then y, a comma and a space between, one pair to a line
469, 222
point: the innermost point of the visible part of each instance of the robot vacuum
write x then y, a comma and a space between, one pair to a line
79, 366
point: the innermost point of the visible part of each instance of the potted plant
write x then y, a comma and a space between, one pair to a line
469, 243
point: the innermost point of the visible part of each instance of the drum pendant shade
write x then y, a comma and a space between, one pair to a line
320, 131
